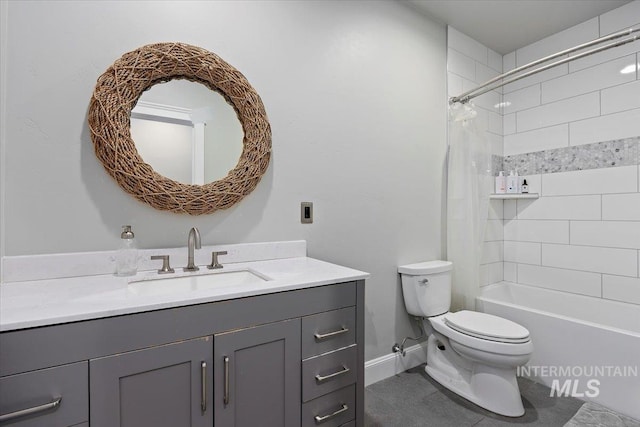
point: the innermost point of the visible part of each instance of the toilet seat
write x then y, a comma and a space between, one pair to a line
480, 343
486, 326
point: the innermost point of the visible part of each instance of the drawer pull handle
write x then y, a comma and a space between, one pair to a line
321, 337
320, 378
30, 411
225, 397
320, 419
203, 381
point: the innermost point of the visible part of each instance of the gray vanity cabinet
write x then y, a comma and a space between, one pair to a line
292, 358
257, 374
164, 386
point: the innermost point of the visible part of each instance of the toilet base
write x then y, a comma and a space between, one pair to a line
495, 389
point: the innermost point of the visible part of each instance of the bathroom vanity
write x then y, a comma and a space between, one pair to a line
286, 352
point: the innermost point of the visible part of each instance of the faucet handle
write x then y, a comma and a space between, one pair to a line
166, 268
214, 260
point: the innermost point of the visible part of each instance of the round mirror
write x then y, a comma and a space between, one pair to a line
118, 91
187, 132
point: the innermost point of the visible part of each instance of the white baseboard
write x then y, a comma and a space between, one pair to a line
394, 363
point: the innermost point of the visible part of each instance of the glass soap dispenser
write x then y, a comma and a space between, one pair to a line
127, 255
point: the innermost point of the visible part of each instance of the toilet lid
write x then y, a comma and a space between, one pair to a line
486, 326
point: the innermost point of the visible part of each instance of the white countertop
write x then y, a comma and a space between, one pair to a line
35, 303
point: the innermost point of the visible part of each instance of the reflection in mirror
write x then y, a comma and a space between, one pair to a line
187, 132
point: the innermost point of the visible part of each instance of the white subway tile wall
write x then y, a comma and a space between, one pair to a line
611, 126
543, 76
577, 282
620, 18
494, 230
566, 39
620, 98
537, 140
496, 209
495, 272
621, 207
622, 179
621, 288
485, 73
508, 62
521, 99
537, 231
510, 272
522, 252
583, 234
510, 209
590, 79
605, 56
612, 234
561, 208
492, 252
468, 47
461, 65
495, 60
623, 262
509, 124
563, 111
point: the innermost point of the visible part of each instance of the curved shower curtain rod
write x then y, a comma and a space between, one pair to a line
489, 85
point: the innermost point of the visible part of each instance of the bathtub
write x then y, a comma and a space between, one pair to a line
583, 346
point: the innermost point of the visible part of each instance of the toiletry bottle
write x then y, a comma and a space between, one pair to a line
517, 183
127, 255
512, 186
525, 186
501, 183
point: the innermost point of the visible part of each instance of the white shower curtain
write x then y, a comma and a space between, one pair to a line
469, 184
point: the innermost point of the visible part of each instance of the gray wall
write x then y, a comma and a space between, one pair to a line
355, 93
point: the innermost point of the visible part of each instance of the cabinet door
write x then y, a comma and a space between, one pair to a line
257, 374
165, 386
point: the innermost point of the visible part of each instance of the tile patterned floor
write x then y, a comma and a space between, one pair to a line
413, 399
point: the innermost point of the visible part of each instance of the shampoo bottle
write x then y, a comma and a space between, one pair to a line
512, 183
127, 255
501, 183
525, 186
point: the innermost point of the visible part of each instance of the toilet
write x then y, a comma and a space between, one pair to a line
473, 354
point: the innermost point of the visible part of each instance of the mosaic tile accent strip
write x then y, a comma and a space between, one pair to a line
619, 152
497, 164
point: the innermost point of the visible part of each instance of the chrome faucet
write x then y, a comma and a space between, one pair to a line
192, 244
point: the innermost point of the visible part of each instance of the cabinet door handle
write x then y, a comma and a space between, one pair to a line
203, 392
30, 411
340, 331
320, 419
320, 378
225, 397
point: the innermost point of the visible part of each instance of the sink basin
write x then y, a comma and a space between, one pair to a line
195, 282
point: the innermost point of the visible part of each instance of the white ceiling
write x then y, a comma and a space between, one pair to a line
506, 25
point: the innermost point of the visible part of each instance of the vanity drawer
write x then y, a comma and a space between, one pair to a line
331, 410
38, 388
329, 372
328, 331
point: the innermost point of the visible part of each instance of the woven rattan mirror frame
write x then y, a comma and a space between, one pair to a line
116, 94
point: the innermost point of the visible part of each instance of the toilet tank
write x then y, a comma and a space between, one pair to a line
426, 287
